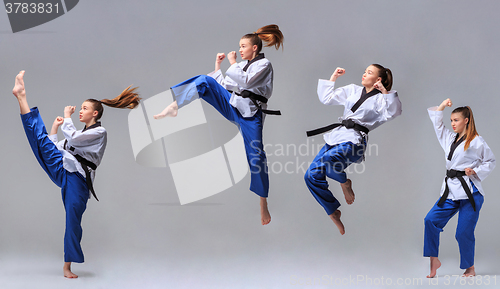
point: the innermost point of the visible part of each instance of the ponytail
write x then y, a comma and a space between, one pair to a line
127, 99
470, 131
386, 75
270, 34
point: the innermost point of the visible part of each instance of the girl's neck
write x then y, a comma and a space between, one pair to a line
90, 123
460, 135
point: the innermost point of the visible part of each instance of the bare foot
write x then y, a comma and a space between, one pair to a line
20, 93
18, 89
264, 212
469, 272
348, 192
335, 216
435, 264
67, 271
170, 110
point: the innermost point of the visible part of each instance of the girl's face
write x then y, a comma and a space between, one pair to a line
247, 50
370, 77
87, 112
458, 122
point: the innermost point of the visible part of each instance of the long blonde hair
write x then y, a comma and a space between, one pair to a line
127, 99
270, 34
470, 131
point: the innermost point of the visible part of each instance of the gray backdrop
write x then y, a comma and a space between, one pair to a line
139, 234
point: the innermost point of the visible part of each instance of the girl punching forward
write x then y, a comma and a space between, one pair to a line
241, 97
469, 161
70, 163
366, 108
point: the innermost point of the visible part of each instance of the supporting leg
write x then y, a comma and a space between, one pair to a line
467, 220
67, 271
75, 195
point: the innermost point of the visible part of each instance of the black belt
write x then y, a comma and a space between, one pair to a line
459, 175
348, 123
255, 97
86, 165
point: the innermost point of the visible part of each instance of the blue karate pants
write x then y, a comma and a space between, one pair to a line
74, 190
250, 127
439, 216
331, 161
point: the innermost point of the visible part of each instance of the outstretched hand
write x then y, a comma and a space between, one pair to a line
339, 71
68, 111
18, 89
445, 103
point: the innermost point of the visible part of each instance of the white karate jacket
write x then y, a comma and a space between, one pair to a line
375, 111
478, 157
258, 79
90, 144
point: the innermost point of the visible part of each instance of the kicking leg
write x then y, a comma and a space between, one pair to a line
170, 110
20, 93
434, 222
435, 264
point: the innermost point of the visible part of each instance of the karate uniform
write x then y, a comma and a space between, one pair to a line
65, 171
478, 157
255, 76
345, 146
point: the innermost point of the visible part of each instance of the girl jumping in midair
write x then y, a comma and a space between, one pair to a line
366, 108
241, 97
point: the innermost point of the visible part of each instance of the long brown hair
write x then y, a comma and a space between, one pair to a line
127, 99
470, 131
386, 75
270, 34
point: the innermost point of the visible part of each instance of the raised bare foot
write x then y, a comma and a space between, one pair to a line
67, 271
264, 212
469, 272
170, 110
335, 216
435, 264
348, 192
18, 89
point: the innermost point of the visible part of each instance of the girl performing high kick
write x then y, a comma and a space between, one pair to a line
70, 163
469, 161
241, 97
366, 108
